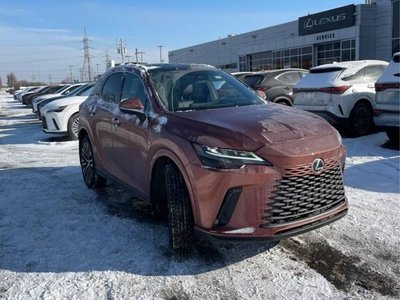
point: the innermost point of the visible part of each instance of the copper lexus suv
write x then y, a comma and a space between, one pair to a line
210, 154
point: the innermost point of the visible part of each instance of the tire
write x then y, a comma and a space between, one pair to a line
284, 102
393, 135
73, 127
90, 176
361, 119
180, 216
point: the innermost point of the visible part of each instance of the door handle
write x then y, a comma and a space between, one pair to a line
116, 122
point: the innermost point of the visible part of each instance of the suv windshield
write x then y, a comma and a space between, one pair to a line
180, 90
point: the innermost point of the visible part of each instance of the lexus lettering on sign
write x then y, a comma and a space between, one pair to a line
337, 18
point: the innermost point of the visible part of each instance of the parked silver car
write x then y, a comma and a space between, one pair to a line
387, 112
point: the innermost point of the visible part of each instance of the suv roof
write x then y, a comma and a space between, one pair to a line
356, 64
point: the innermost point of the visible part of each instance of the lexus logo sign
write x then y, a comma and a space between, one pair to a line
328, 20
311, 23
318, 166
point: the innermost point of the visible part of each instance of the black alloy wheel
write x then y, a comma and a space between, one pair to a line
73, 126
361, 119
90, 176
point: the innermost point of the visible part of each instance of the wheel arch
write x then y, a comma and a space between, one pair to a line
82, 133
157, 183
365, 100
285, 99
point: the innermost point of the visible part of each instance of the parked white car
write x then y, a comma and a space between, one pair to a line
18, 95
62, 116
64, 91
387, 112
342, 93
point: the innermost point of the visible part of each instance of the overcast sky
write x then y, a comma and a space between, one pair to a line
40, 39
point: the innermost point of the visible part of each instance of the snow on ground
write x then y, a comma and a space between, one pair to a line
59, 240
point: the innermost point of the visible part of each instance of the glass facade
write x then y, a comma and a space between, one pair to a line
286, 58
301, 57
336, 51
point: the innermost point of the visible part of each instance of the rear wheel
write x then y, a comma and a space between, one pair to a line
180, 216
73, 126
361, 119
90, 176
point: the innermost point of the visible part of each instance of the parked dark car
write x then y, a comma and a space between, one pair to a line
210, 154
276, 84
27, 98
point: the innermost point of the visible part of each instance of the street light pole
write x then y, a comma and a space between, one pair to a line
161, 60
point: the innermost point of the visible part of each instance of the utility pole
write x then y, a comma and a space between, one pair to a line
70, 74
136, 55
121, 49
97, 69
86, 61
107, 60
141, 56
161, 60
50, 78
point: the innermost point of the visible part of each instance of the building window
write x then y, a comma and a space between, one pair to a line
336, 51
348, 50
228, 66
396, 26
242, 63
278, 59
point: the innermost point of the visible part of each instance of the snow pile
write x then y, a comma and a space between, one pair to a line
59, 240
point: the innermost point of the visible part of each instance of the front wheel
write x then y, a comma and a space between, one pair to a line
73, 126
180, 216
361, 119
90, 176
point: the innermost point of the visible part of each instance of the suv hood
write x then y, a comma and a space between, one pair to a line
66, 101
247, 128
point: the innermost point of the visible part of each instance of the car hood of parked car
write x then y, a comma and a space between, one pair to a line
66, 101
247, 127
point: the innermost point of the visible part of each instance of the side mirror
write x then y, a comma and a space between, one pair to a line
133, 106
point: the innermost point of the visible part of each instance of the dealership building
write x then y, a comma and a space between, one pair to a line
352, 32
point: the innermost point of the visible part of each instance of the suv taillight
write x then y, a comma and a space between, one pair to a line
384, 86
330, 90
335, 89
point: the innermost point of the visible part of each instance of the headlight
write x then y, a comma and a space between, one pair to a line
58, 109
220, 158
339, 137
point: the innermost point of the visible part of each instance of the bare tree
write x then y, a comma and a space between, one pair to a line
11, 80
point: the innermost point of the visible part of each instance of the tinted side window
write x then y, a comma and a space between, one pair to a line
133, 88
289, 77
372, 73
357, 76
112, 88
253, 80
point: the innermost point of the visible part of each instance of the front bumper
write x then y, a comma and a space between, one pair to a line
274, 202
51, 123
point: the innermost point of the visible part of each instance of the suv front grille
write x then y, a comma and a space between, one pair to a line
299, 197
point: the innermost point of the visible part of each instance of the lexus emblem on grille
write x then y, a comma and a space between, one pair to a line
318, 166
